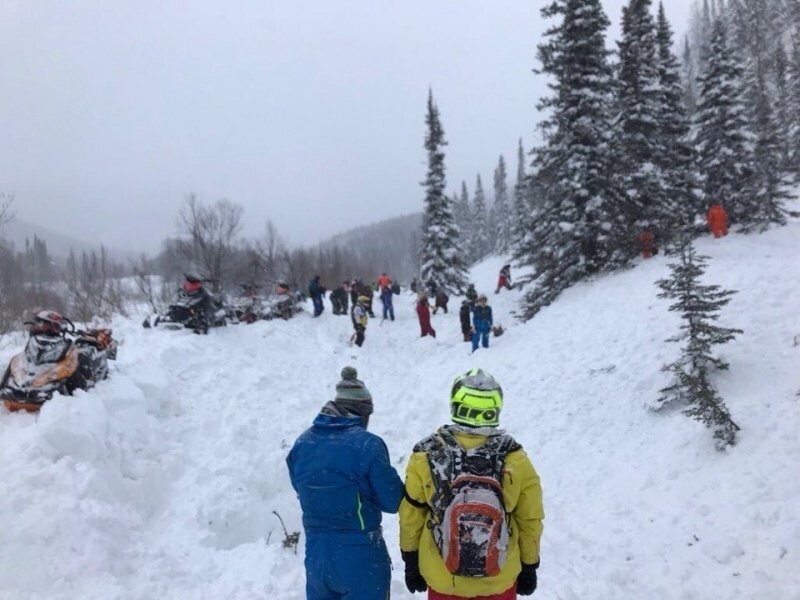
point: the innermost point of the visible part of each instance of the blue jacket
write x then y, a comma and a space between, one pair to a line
315, 288
343, 476
482, 316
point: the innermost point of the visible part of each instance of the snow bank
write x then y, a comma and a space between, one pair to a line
162, 482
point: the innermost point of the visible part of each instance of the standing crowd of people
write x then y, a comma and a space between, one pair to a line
476, 318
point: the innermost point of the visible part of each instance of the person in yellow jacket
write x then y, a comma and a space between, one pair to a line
471, 518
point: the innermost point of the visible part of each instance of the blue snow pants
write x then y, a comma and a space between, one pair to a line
319, 307
388, 307
481, 334
348, 565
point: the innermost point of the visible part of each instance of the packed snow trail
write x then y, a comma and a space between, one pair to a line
161, 482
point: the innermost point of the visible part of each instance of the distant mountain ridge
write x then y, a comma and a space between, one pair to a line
58, 244
391, 243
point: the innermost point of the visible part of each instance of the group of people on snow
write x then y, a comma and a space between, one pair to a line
475, 314
470, 509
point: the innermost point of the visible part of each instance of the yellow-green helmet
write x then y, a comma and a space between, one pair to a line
476, 399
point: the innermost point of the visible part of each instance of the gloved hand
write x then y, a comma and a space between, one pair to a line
414, 580
526, 582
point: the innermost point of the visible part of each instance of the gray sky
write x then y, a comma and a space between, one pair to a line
310, 112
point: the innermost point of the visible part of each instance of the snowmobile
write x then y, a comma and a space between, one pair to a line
195, 308
284, 305
57, 358
248, 306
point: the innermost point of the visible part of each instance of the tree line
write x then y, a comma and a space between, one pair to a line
209, 243
634, 139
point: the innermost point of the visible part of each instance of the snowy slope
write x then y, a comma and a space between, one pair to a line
161, 482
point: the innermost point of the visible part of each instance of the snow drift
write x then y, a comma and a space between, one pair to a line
161, 482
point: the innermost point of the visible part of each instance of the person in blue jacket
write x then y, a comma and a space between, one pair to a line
317, 293
344, 480
482, 323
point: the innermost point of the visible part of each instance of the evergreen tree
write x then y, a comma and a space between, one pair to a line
502, 219
675, 153
699, 306
463, 211
723, 138
689, 78
640, 103
441, 259
578, 214
770, 183
480, 241
793, 101
782, 106
520, 213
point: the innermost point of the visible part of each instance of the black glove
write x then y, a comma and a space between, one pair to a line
526, 582
414, 580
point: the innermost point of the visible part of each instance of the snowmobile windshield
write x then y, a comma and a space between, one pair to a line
46, 349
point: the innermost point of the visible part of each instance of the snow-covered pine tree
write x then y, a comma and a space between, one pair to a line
724, 142
782, 106
463, 214
689, 78
675, 153
699, 306
639, 104
502, 219
770, 182
480, 224
794, 104
520, 212
579, 213
441, 259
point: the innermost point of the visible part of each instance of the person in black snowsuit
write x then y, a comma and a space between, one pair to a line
369, 292
432, 287
465, 315
317, 292
441, 301
355, 287
471, 294
339, 298
415, 285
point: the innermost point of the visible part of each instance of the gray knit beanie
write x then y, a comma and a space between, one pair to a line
352, 395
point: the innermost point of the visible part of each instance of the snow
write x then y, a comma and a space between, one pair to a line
161, 482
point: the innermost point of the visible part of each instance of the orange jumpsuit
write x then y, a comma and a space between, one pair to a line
647, 240
717, 220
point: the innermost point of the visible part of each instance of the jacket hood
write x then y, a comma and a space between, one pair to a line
335, 422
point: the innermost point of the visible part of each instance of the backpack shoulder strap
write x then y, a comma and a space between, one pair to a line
498, 447
445, 460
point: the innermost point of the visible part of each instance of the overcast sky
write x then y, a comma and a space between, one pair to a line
309, 112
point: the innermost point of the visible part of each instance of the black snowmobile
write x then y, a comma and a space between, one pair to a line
57, 358
195, 308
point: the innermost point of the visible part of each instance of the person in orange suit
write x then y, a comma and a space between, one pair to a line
717, 220
647, 241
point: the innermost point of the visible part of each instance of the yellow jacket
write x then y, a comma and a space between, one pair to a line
522, 494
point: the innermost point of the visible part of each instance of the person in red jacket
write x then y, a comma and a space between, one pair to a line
717, 220
384, 282
424, 315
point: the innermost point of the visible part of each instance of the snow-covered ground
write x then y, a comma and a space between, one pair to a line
161, 482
